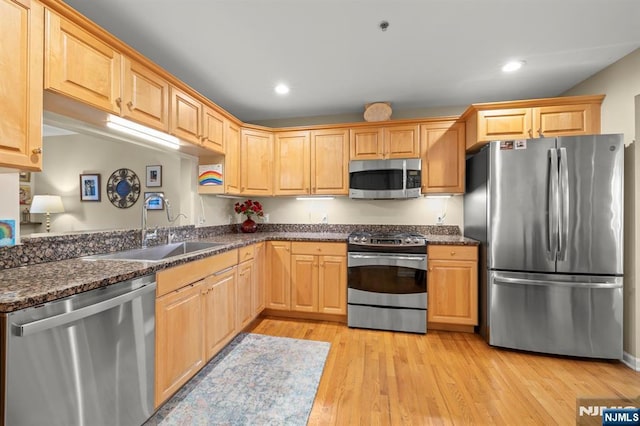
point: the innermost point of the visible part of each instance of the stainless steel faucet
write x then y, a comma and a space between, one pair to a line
146, 236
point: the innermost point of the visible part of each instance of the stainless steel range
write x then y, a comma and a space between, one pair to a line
387, 282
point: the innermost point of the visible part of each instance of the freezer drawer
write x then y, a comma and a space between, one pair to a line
556, 314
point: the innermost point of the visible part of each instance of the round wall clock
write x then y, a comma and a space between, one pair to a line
123, 188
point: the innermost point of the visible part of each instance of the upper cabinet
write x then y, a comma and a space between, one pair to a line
442, 153
330, 162
145, 95
256, 158
402, 141
291, 163
232, 159
21, 32
213, 126
81, 66
534, 118
186, 116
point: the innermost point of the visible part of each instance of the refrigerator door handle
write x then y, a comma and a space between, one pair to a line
552, 205
526, 281
563, 225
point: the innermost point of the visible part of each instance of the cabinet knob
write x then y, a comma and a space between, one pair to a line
530, 133
453, 253
130, 105
119, 102
540, 133
430, 269
37, 150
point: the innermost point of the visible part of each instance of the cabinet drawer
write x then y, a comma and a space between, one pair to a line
174, 278
313, 248
246, 253
450, 252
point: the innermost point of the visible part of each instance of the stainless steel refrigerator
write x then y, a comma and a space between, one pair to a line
549, 215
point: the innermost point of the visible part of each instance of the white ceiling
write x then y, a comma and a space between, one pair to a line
336, 59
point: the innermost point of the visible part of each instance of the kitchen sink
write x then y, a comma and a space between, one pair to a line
156, 253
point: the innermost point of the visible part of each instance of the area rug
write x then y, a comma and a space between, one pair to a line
254, 380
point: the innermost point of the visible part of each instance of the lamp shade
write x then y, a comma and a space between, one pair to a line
46, 204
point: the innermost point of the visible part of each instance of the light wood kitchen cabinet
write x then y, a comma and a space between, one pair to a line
278, 282
232, 159
257, 296
21, 67
533, 118
256, 154
220, 310
81, 66
442, 153
213, 127
185, 116
195, 317
319, 277
401, 141
179, 343
452, 286
145, 95
246, 276
292, 160
330, 162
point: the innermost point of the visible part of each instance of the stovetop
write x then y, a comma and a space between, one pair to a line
387, 239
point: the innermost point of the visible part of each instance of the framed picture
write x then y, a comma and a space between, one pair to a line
90, 187
154, 176
155, 203
25, 176
25, 194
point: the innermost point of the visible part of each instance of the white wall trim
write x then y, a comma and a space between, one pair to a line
631, 361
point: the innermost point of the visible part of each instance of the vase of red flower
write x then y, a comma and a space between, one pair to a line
249, 208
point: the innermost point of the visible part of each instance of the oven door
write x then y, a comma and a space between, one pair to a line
387, 279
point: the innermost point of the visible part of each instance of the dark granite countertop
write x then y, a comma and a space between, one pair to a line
33, 285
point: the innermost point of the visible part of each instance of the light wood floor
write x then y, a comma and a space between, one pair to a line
386, 378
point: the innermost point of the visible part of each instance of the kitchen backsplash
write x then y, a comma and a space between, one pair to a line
42, 249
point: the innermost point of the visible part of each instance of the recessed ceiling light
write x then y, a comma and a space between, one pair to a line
512, 66
282, 89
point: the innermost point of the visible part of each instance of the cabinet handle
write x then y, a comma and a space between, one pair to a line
37, 150
119, 102
130, 105
530, 133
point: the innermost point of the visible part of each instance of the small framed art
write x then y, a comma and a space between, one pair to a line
154, 176
154, 203
90, 187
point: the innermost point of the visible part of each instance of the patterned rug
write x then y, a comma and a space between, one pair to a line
254, 380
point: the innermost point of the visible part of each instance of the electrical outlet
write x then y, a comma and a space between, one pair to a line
265, 218
325, 218
230, 219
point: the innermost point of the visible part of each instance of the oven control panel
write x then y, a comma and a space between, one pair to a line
398, 240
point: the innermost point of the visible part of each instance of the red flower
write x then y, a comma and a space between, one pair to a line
249, 208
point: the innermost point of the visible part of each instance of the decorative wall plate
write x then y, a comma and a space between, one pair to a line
123, 188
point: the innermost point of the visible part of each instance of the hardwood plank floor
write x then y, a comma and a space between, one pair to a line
441, 378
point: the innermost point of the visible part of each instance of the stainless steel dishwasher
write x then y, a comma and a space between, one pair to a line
87, 359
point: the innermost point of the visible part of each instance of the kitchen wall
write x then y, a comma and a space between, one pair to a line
620, 111
10, 202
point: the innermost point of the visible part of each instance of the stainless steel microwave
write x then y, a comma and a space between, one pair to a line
385, 179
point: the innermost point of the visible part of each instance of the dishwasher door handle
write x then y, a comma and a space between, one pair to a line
87, 311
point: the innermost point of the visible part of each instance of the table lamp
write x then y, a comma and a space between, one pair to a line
47, 204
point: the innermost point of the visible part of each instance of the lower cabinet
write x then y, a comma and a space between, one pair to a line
246, 278
452, 287
278, 281
257, 296
219, 310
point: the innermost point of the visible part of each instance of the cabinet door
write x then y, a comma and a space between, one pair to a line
564, 120
220, 311
21, 32
232, 159
402, 141
332, 285
186, 116
145, 96
257, 294
304, 283
244, 313
442, 153
366, 143
292, 160
213, 126
330, 162
179, 343
505, 124
278, 284
79, 65
256, 151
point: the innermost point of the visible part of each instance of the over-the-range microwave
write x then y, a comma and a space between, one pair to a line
385, 179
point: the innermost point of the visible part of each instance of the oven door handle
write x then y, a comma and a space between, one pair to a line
394, 257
